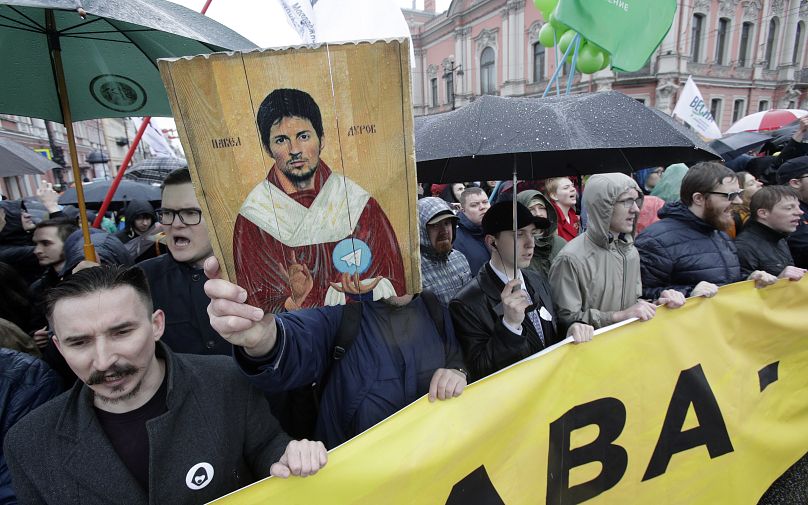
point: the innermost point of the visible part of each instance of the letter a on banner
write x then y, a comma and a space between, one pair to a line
692, 109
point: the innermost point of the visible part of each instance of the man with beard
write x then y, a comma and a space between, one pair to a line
307, 237
443, 270
688, 249
141, 421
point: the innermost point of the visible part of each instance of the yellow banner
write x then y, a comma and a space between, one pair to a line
701, 405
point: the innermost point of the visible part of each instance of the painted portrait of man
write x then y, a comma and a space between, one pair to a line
306, 236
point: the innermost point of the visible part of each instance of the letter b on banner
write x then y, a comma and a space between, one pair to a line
609, 414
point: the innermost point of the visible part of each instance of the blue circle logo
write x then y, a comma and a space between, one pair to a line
351, 256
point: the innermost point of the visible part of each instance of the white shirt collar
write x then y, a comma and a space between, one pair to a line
504, 278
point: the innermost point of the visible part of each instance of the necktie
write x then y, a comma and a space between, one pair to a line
536, 320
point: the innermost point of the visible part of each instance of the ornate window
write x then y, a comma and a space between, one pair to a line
488, 76
538, 62
746, 38
721, 40
696, 35
771, 42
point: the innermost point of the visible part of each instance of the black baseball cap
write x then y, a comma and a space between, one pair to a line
500, 218
792, 169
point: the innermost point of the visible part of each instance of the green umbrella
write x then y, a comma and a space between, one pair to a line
71, 60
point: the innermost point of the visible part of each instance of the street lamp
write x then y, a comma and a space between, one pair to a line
449, 76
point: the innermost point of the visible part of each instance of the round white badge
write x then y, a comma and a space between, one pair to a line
199, 476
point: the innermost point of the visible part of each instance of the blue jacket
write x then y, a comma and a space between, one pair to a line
25, 383
469, 241
681, 250
389, 365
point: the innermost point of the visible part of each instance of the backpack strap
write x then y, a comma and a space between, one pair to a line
435, 311
348, 330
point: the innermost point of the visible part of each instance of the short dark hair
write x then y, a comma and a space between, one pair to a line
285, 102
177, 177
104, 277
769, 196
474, 190
703, 177
64, 226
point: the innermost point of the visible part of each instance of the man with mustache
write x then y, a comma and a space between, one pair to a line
142, 421
688, 249
307, 237
443, 270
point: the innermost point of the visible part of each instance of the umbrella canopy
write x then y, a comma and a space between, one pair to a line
154, 169
94, 193
16, 159
739, 143
109, 56
766, 120
546, 137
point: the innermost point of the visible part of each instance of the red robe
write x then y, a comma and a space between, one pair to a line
261, 259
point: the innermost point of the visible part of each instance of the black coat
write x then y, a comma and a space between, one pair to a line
798, 241
762, 248
477, 313
681, 250
16, 246
179, 290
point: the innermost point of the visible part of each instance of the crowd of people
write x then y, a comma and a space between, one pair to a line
150, 378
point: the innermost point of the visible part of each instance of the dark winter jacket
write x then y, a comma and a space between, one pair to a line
762, 248
16, 246
389, 365
798, 241
681, 250
25, 383
548, 245
178, 289
140, 246
443, 274
470, 241
108, 249
60, 455
488, 346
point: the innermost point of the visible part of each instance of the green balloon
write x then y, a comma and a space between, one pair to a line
547, 35
545, 6
565, 41
607, 60
560, 27
590, 59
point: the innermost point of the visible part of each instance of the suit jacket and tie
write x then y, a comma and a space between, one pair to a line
477, 313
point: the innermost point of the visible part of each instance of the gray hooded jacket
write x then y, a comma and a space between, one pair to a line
443, 274
597, 274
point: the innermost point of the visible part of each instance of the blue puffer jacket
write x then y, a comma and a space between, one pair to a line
25, 383
681, 250
469, 241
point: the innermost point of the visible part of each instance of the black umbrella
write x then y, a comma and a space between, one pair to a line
95, 192
553, 136
735, 144
154, 169
16, 159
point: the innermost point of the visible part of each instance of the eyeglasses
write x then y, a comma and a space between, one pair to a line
729, 196
630, 202
189, 217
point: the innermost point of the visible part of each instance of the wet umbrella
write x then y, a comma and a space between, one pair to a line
154, 169
17, 159
735, 144
71, 60
772, 119
555, 136
94, 193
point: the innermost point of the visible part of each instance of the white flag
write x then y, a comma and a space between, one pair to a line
158, 145
692, 110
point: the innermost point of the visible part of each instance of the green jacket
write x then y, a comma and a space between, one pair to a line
547, 247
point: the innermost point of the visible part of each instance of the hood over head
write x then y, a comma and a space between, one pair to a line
108, 248
671, 182
528, 195
137, 208
13, 233
600, 195
429, 208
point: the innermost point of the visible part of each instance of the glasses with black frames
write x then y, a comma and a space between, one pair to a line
188, 217
729, 196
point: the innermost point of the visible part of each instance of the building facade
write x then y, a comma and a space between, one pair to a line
745, 56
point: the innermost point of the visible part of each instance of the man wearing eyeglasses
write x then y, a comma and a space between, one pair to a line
596, 277
688, 249
176, 278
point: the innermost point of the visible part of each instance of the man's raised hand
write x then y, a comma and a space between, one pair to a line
238, 323
514, 303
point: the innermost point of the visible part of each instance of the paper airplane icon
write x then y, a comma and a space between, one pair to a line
353, 258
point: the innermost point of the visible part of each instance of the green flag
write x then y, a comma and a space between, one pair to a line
628, 29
